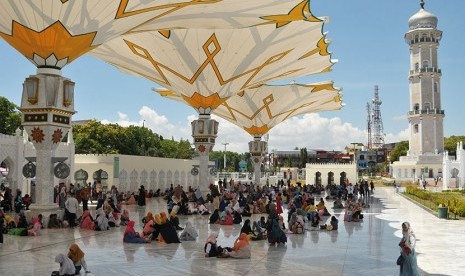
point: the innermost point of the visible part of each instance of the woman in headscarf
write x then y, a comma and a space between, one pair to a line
274, 232
167, 231
148, 217
228, 219
189, 233
77, 256
141, 198
35, 230
102, 221
131, 236
215, 217
124, 217
131, 200
241, 249
211, 248
54, 222
409, 256
87, 221
149, 228
174, 220
66, 266
164, 218
62, 197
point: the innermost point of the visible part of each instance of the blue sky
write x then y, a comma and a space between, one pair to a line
367, 37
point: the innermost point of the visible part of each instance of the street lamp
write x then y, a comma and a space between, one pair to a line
225, 144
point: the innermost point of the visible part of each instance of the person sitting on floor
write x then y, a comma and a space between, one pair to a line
102, 221
54, 222
167, 231
241, 249
215, 217
124, 217
35, 230
131, 236
211, 248
174, 220
237, 217
338, 204
87, 222
316, 221
66, 266
228, 219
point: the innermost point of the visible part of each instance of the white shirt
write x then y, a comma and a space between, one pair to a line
72, 205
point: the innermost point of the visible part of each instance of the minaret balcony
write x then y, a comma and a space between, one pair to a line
426, 111
425, 70
423, 39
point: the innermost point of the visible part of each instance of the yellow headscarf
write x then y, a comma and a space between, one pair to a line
148, 217
75, 253
157, 219
163, 217
8, 219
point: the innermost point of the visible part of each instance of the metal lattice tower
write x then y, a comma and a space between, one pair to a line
369, 145
377, 139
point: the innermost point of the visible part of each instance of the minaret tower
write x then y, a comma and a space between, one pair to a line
425, 115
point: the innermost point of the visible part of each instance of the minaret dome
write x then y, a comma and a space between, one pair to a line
423, 19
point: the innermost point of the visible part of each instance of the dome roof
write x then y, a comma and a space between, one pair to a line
423, 19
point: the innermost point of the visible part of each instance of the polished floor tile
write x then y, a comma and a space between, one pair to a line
369, 247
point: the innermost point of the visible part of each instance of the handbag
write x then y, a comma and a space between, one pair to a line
400, 260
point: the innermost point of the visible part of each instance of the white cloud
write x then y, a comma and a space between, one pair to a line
122, 116
310, 130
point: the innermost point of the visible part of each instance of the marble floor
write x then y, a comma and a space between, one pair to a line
357, 248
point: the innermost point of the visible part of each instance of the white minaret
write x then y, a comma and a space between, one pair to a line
425, 115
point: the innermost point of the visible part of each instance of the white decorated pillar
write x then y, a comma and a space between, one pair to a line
204, 132
445, 171
47, 106
256, 148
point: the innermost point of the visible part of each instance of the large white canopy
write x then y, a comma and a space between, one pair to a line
207, 66
52, 33
260, 109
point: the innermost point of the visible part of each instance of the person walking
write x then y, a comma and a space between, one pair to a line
408, 256
72, 206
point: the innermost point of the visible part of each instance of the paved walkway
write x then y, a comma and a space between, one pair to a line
357, 248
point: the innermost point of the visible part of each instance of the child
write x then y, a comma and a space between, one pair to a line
77, 256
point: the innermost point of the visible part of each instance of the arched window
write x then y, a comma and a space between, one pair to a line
436, 85
427, 106
415, 128
416, 107
425, 64
417, 66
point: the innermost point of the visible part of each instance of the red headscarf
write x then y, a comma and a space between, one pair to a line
129, 229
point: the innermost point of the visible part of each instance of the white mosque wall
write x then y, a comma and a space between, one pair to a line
128, 172
325, 170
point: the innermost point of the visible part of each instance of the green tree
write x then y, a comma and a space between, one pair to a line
185, 151
399, 150
10, 118
450, 144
